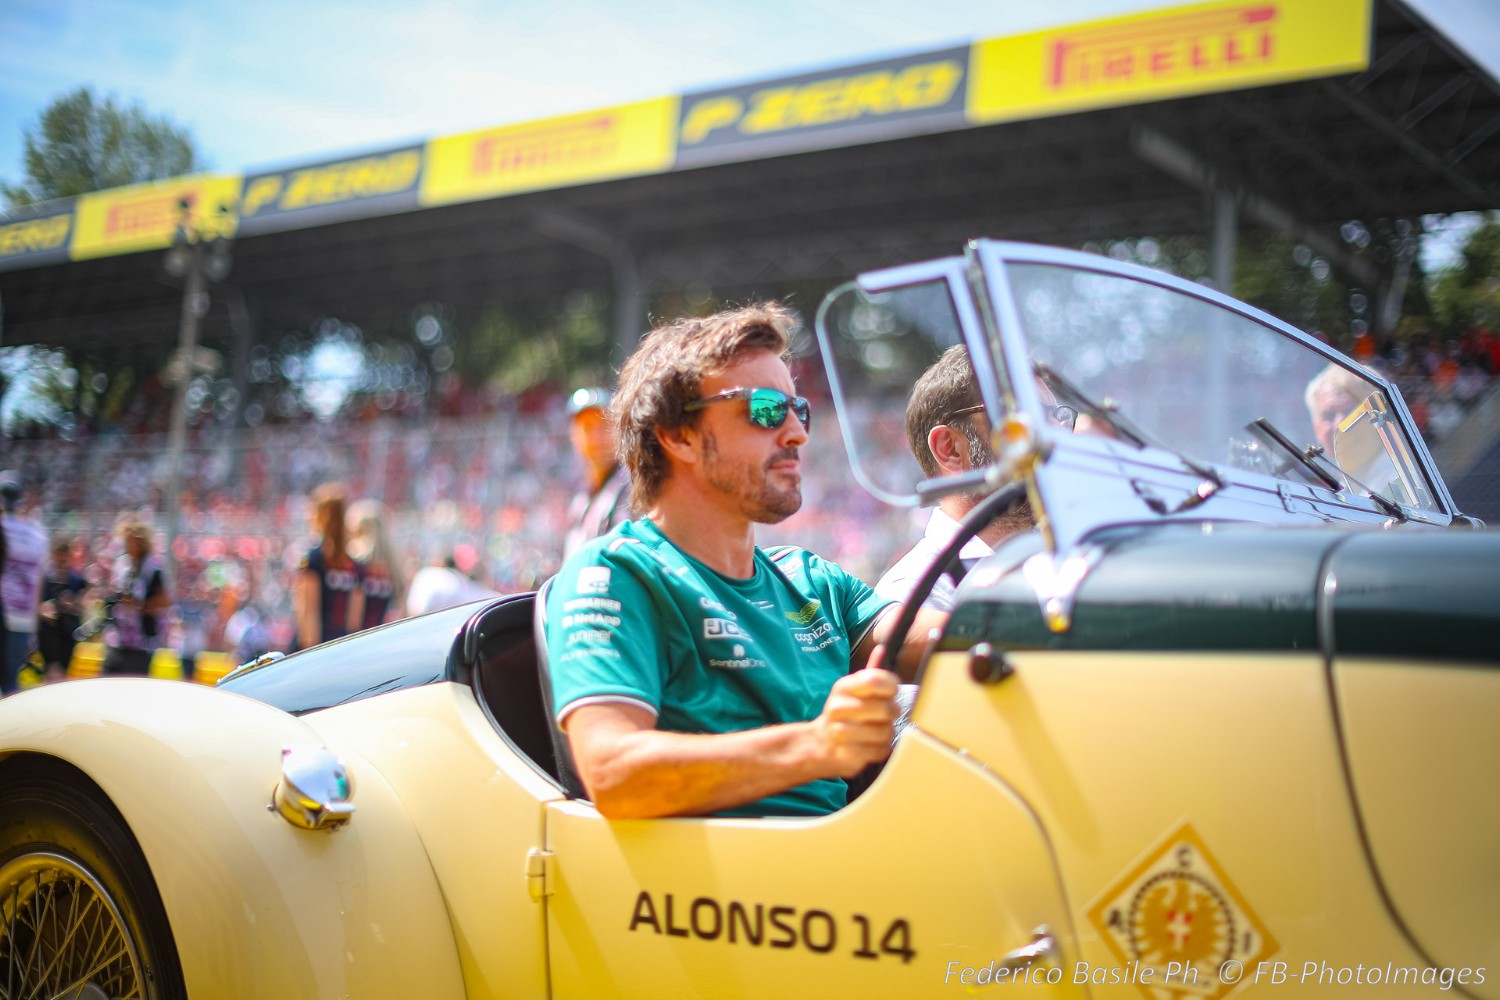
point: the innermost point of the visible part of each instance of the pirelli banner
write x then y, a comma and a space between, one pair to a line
609, 143
1176, 52
146, 216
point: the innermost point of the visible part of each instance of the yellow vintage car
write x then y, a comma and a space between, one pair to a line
1223, 724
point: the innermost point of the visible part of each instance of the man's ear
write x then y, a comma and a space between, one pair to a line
949, 448
680, 443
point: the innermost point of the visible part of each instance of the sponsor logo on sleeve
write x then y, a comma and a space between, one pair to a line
593, 580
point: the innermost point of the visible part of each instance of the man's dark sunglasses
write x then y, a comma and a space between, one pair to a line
1062, 415
767, 407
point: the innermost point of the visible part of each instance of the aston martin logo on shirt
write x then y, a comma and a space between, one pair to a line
807, 614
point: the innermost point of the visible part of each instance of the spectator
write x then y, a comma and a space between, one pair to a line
1331, 396
379, 569
436, 587
20, 581
326, 598
138, 590
605, 501
63, 588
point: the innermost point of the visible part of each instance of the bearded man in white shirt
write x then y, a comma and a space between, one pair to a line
949, 433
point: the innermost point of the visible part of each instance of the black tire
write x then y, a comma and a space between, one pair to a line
79, 912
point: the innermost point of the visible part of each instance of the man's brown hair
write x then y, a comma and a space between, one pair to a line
942, 390
666, 372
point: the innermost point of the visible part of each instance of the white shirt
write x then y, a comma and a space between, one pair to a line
436, 587
898, 581
21, 577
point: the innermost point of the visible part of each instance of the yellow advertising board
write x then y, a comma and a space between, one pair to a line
553, 152
1164, 54
146, 216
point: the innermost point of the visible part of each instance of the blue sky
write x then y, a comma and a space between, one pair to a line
275, 82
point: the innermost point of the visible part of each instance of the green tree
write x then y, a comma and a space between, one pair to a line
81, 143
1468, 295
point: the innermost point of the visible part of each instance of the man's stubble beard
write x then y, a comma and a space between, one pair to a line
759, 500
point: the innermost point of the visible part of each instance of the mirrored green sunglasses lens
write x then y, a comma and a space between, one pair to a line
768, 408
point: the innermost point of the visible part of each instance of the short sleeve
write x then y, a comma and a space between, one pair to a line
861, 605
604, 640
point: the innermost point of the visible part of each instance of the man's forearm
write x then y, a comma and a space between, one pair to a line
654, 773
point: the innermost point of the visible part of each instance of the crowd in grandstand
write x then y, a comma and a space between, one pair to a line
485, 490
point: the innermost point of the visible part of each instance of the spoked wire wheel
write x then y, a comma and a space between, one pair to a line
62, 936
80, 914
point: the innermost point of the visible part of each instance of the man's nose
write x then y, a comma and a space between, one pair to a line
793, 432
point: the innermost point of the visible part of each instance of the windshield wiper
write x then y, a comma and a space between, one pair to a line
1316, 461
1108, 411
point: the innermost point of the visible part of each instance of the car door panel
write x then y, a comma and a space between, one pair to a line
937, 869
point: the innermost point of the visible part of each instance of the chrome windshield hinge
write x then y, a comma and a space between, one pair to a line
539, 873
1055, 580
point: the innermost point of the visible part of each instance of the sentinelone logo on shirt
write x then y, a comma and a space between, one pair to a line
739, 660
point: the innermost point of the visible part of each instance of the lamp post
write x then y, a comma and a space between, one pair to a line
197, 257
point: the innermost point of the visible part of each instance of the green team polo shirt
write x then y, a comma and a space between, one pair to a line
632, 618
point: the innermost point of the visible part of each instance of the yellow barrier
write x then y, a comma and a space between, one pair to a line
165, 665
88, 660
208, 666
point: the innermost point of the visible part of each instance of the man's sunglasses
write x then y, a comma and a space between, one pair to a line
1062, 415
767, 406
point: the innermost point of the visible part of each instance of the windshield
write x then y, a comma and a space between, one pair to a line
1150, 370
1195, 378
877, 345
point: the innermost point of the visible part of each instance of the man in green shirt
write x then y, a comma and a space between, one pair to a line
694, 672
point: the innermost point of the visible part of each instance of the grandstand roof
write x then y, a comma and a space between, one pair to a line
1414, 130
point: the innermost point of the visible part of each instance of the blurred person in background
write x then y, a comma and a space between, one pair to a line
326, 600
138, 591
197, 617
63, 589
245, 629
434, 588
605, 502
25, 553
380, 571
1331, 396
